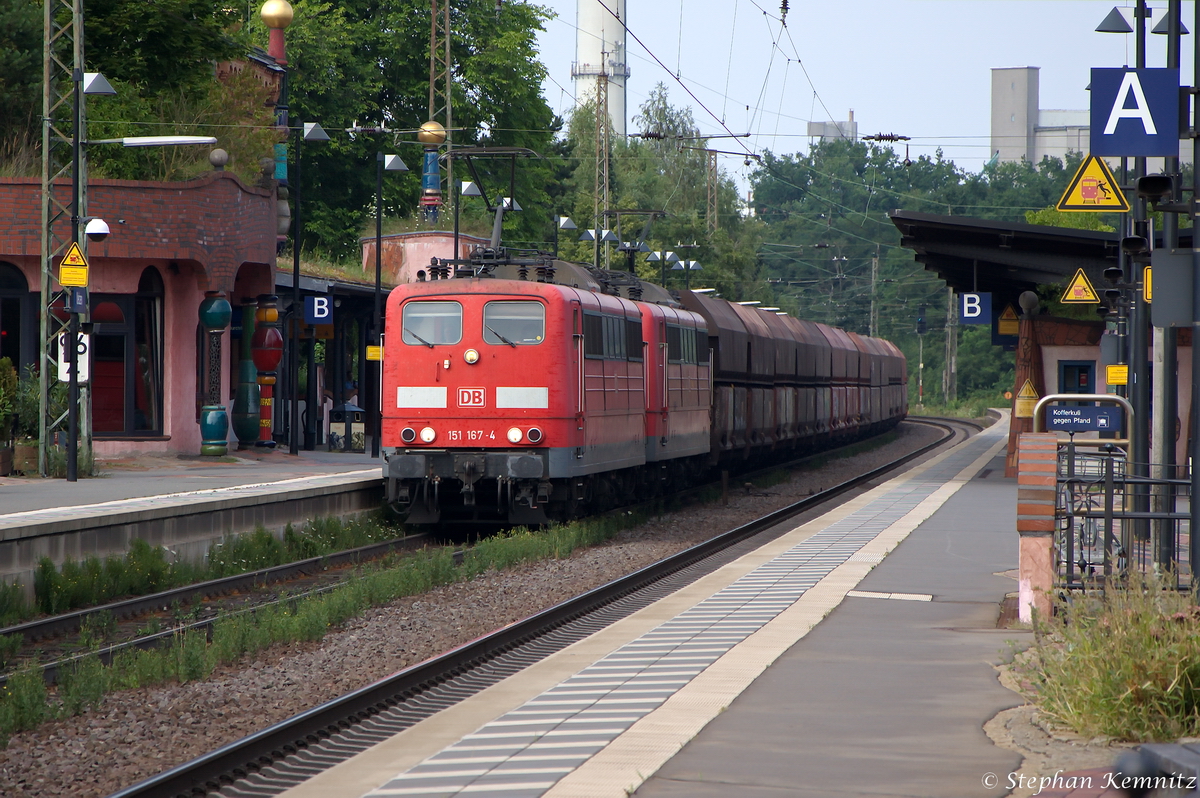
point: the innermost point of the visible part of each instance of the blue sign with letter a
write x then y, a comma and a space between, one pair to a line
1135, 112
975, 308
318, 310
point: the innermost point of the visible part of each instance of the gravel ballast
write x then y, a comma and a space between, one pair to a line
137, 734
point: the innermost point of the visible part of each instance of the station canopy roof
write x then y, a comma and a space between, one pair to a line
1005, 257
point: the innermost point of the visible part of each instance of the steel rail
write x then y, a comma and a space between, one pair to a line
71, 622
67, 623
238, 759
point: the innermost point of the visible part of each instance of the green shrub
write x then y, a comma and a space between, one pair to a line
9, 646
13, 606
1125, 664
81, 685
22, 703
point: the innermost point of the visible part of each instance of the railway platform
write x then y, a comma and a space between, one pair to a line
853, 655
182, 503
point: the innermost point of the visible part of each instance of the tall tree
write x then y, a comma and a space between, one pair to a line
367, 61
665, 172
20, 74
826, 216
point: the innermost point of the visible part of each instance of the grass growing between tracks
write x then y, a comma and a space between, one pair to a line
1125, 664
25, 702
146, 569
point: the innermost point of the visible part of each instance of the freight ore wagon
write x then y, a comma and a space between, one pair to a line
521, 400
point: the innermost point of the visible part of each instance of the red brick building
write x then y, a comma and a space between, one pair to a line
170, 243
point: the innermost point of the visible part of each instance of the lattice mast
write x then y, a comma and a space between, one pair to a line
603, 150
713, 183
59, 163
441, 81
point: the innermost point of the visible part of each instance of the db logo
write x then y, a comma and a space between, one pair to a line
471, 397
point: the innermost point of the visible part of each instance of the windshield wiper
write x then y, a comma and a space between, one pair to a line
419, 338
501, 337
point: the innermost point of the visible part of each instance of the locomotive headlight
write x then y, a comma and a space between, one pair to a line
471, 356
534, 435
428, 435
514, 435
408, 435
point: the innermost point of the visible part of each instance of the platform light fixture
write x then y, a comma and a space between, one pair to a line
92, 84
383, 163
308, 132
564, 223
1114, 23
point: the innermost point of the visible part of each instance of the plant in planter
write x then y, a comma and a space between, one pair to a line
25, 427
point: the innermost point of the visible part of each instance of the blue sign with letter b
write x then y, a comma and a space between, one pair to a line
318, 310
975, 308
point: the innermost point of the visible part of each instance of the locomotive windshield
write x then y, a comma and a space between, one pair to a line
514, 323
429, 323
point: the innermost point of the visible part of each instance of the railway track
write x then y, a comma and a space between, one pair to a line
192, 595
209, 600
275, 758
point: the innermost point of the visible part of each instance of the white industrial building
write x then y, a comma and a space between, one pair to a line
1021, 129
600, 55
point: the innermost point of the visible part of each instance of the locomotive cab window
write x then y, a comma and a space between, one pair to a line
682, 345
431, 323
514, 323
610, 337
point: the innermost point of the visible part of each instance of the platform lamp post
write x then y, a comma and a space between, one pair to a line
1194, 524
313, 133
82, 83
662, 258
1139, 316
564, 223
687, 267
383, 163
90, 83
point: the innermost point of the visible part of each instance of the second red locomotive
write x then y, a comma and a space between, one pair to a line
523, 400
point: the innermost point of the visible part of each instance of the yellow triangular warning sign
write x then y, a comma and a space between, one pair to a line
74, 256
1080, 291
1093, 189
1026, 401
1009, 323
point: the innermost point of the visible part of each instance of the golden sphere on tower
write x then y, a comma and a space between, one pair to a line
276, 13
431, 133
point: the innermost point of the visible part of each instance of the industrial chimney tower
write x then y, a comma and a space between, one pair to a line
600, 56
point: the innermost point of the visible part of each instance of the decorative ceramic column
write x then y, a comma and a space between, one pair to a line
215, 313
246, 400
267, 350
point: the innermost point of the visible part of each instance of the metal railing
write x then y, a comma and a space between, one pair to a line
1111, 522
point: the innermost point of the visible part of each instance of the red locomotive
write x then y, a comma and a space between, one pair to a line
522, 400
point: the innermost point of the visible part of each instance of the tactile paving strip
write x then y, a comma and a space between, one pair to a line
528, 750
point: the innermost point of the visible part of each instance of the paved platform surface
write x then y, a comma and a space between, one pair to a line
151, 476
884, 698
824, 663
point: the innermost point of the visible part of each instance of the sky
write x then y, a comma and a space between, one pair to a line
919, 68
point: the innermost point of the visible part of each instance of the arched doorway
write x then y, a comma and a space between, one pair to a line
18, 338
127, 361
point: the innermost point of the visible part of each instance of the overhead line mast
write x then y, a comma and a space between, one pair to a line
603, 149
62, 28
441, 81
